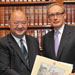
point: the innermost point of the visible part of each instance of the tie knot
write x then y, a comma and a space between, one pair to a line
57, 32
21, 40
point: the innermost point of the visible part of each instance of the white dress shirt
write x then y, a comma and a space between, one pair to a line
60, 32
18, 41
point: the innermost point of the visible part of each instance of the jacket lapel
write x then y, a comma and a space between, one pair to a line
51, 45
31, 51
15, 46
65, 37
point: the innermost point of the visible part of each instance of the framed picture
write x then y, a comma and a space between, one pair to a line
46, 66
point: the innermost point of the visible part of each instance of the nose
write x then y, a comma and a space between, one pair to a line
19, 25
55, 17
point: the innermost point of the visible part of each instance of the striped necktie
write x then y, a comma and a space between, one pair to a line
24, 52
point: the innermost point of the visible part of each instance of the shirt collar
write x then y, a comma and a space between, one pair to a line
61, 29
18, 39
24, 38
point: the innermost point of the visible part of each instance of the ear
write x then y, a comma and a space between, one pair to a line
48, 20
64, 15
9, 24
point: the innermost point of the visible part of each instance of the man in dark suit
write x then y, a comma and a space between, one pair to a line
59, 43
12, 58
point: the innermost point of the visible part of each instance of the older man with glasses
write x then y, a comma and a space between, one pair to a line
59, 43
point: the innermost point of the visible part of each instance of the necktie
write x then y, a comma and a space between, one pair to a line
24, 52
56, 42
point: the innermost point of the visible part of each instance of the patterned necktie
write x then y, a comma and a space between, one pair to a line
56, 38
24, 52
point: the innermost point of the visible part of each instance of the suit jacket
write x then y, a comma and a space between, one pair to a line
66, 51
12, 61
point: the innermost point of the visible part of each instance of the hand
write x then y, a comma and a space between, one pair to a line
72, 74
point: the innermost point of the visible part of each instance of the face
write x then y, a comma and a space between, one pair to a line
18, 24
56, 16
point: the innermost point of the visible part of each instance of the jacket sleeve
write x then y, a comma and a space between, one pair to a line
5, 68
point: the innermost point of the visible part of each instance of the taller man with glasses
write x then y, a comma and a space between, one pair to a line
59, 43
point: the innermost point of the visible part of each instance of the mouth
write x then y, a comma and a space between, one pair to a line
19, 29
56, 22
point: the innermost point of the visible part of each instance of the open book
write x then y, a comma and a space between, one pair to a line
46, 66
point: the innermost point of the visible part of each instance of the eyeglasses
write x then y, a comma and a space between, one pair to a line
57, 14
16, 23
